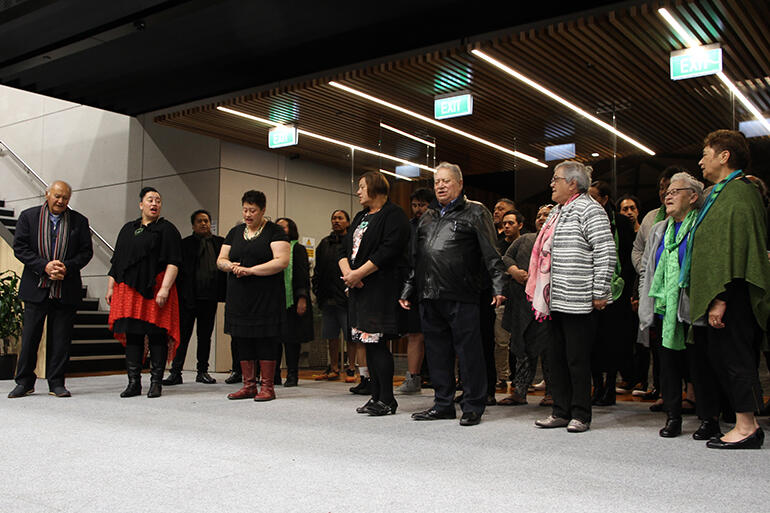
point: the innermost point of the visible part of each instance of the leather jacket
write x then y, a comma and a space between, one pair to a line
454, 255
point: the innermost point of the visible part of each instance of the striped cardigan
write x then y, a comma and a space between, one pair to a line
583, 256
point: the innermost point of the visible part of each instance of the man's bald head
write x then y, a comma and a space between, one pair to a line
58, 196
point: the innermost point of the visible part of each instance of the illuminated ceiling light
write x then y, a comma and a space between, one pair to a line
426, 119
327, 139
594, 154
515, 74
694, 43
410, 136
396, 175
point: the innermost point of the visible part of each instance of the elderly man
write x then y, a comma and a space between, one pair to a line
54, 244
454, 249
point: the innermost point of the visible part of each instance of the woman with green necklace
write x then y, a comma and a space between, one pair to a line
659, 290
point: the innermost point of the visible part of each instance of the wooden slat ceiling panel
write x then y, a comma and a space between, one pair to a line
617, 60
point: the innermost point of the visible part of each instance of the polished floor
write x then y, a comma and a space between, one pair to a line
308, 451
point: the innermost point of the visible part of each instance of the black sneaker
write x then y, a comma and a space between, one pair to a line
363, 387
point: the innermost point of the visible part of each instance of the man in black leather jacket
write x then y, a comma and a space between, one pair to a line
455, 250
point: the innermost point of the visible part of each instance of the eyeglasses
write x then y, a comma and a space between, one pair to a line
547, 205
672, 192
556, 178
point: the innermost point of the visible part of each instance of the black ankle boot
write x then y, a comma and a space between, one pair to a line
363, 388
292, 378
158, 354
133, 370
673, 428
708, 429
234, 377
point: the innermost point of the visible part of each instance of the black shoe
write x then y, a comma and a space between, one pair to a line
203, 377
672, 429
470, 418
363, 387
378, 408
156, 389
491, 401
656, 407
434, 414
233, 378
174, 378
652, 395
365, 407
20, 391
708, 429
60, 391
134, 388
753, 441
292, 379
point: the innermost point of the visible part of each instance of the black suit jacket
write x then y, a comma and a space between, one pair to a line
185, 281
79, 253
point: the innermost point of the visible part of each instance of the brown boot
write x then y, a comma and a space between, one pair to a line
266, 392
249, 389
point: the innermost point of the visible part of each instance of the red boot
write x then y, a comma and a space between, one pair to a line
249, 389
267, 370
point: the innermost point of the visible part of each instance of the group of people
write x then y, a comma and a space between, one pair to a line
591, 293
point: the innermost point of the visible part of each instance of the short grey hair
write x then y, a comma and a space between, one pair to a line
453, 168
692, 183
576, 172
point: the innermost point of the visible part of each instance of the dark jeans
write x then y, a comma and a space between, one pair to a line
569, 355
450, 328
61, 318
206, 313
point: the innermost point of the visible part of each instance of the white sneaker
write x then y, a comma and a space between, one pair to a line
539, 386
577, 426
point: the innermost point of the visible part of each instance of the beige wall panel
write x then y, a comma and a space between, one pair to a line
311, 208
250, 160
310, 173
25, 139
169, 151
17, 105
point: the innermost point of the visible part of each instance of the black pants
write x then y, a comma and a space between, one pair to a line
487, 327
379, 359
206, 313
569, 354
268, 348
728, 357
675, 369
450, 328
61, 318
613, 346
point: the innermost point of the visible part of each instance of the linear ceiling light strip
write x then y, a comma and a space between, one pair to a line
426, 119
692, 42
515, 74
327, 139
396, 175
406, 134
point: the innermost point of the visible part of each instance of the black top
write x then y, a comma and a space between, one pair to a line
328, 288
143, 252
255, 305
299, 329
186, 281
374, 307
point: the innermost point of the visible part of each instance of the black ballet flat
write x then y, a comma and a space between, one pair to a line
378, 408
753, 441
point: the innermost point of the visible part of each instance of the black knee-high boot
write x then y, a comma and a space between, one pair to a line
134, 353
158, 353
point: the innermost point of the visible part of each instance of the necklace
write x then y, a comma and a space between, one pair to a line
256, 234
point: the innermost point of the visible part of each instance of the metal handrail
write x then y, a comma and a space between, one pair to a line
31, 171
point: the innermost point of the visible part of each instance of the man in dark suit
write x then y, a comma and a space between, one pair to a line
200, 286
54, 244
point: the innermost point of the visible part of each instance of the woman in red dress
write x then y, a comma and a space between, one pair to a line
142, 294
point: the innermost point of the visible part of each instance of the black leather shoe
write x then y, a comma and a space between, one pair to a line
708, 429
60, 391
233, 378
204, 377
753, 441
292, 379
365, 407
378, 408
470, 418
174, 378
672, 429
363, 387
20, 391
156, 390
652, 395
656, 407
491, 401
134, 388
434, 414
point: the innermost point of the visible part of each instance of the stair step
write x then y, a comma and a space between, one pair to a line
91, 317
96, 349
88, 304
96, 365
91, 332
97, 357
6, 212
8, 221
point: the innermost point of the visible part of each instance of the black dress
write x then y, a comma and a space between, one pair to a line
256, 305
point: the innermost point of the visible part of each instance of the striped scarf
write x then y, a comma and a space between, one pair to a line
59, 249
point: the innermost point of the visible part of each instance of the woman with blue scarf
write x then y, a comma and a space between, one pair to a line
660, 292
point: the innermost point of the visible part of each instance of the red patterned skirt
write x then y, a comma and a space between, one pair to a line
127, 303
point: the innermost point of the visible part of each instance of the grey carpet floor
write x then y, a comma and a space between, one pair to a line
193, 450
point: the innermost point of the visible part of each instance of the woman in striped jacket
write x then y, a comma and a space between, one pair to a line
570, 275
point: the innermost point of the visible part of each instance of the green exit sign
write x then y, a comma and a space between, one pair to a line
445, 107
283, 135
696, 62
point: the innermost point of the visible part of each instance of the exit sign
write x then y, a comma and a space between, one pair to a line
282, 135
696, 62
445, 107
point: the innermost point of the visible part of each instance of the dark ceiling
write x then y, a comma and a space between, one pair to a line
138, 56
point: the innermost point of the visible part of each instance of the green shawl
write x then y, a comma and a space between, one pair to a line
288, 277
730, 244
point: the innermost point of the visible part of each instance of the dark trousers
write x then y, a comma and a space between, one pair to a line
674, 371
728, 357
487, 327
569, 355
206, 313
450, 328
61, 318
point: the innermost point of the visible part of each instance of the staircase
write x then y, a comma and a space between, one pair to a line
93, 349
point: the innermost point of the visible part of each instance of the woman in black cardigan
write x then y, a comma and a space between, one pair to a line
372, 258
